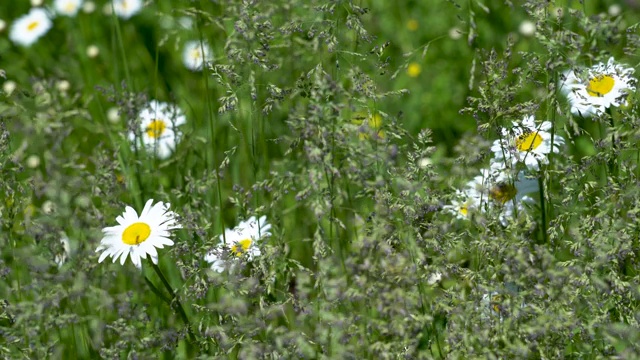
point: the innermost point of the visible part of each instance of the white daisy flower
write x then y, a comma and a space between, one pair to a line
497, 188
465, 202
568, 81
159, 123
126, 8
492, 305
500, 305
139, 236
196, 54
67, 7
215, 259
29, 28
504, 187
528, 143
434, 278
602, 86
240, 242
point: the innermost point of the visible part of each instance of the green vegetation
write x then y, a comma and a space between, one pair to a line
356, 128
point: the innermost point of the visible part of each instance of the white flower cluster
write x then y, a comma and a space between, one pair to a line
505, 185
27, 29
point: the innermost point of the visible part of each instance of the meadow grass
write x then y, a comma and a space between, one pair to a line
359, 130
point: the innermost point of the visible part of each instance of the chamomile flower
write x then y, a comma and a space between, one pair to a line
527, 143
29, 28
505, 187
159, 123
126, 8
603, 86
195, 55
215, 258
498, 188
67, 7
501, 304
241, 241
463, 204
139, 236
568, 82
492, 305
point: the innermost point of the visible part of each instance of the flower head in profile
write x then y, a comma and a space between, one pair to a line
67, 7
139, 236
463, 203
602, 86
195, 55
492, 305
29, 28
126, 8
499, 188
159, 123
527, 143
241, 241
502, 304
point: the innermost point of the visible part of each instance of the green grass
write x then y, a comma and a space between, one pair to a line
277, 126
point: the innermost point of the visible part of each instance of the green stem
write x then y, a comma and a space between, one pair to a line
212, 165
175, 302
638, 164
542, 208
613, 163
157, 291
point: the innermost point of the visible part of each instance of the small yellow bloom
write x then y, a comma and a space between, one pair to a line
375, 121
29, 210
369, 124
412, 25
414, 69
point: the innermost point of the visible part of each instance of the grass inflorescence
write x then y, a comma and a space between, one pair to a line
319, 179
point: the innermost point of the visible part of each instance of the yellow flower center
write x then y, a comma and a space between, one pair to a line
136, 233
414, 69
496, 301
32, 26
196, 54
241, 247
156, 128
69, 7
503, 192
600, 85
528, 140
464, 209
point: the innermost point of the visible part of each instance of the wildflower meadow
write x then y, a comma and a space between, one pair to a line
319, 179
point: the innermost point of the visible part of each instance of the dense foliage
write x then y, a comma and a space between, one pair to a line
383, 142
